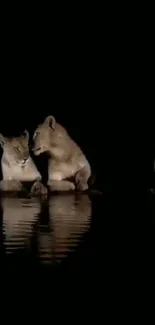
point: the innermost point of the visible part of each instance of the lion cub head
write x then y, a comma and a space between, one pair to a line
47, 134
16, 148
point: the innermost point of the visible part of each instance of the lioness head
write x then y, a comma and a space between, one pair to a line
16, 148
43, 135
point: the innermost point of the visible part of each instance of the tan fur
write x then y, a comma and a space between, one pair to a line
17, 164
66, 158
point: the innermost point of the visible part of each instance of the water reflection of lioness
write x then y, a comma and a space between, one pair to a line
18, 217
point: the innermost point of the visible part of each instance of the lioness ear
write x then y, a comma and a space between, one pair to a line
26, 134
50, 120
2, 140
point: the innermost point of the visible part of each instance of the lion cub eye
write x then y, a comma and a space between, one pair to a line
17, 149
36, 133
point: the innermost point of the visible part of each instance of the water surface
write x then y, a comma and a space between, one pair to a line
43, 232
77, 232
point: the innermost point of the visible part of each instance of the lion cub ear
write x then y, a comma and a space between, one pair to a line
50, 120
2, 140
26, 134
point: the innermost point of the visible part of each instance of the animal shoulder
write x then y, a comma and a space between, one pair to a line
62, 142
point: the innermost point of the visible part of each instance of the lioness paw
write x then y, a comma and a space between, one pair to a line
11, 186
38, 189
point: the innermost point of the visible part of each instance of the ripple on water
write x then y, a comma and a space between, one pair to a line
49, 230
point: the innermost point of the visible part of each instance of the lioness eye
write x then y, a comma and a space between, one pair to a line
18, 149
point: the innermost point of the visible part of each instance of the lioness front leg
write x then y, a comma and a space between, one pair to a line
38, 188
81, 178
11, 186
62, 185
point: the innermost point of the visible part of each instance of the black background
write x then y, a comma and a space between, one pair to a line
94, 74
92, 78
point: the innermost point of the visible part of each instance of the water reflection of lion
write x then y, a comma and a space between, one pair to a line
70, 217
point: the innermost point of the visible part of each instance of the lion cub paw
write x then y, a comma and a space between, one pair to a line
38, 189
82, 187
61, 186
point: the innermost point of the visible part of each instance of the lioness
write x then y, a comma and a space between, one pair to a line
68, 167
18, 166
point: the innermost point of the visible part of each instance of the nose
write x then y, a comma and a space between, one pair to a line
24, 160
26, 156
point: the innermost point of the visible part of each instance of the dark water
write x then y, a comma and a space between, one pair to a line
76, 232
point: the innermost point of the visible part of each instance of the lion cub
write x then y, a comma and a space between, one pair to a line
18, 166
68, 167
